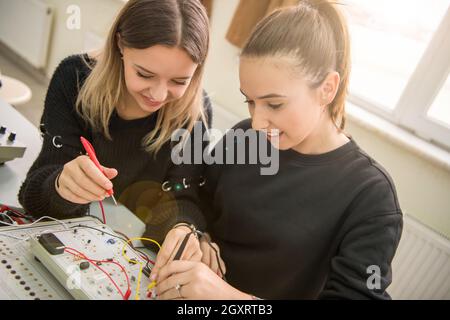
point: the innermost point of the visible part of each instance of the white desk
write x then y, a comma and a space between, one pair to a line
14, 91
13, 173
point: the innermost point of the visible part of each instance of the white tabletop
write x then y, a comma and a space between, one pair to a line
14, 91
13, 173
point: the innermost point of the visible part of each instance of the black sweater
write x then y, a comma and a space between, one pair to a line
310, 231
140, 174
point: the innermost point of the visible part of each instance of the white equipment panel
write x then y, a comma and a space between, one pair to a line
96, 275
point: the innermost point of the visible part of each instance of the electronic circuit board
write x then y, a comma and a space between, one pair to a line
86, 257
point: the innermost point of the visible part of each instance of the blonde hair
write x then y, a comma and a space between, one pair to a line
314, 35
142, 24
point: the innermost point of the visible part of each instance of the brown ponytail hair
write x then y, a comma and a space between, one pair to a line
314, 35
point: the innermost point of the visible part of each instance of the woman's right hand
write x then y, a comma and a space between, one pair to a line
82, 182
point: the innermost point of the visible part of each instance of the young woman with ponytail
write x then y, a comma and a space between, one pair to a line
327, 225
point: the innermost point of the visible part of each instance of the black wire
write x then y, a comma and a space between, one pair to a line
218, 261
136, 249
88, 214
147, 260
182, 246
215, 251
127, 240
201, 234
177, 255
23, 216
99, 230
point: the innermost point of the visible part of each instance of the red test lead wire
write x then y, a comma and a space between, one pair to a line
91, 153
103, 212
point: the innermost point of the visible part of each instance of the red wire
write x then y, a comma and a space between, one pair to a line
4, 208
93, 262
147, 259
18, 220
81, 255
103, 212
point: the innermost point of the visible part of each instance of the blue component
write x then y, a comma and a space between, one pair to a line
111, 241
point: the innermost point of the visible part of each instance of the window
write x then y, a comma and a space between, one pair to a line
440, 109
400, 70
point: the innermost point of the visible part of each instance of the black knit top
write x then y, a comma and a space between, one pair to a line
324, 226
138, 185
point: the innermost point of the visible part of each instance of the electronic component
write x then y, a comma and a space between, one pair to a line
51, 243
22, 277
91, 266
146, 271
12, 137
84, 265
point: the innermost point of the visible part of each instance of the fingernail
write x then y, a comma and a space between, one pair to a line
153, 277
108, 185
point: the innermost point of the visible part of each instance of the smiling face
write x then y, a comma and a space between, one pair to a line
154, 77
282, 100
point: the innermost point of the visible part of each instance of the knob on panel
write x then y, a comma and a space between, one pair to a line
12, 136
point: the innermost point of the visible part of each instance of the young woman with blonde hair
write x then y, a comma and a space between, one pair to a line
127, 101
328, 223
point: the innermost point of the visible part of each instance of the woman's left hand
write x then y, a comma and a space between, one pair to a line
195, 281
170, 246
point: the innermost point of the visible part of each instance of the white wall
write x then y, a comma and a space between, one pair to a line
222, 77
423, 187
96, 17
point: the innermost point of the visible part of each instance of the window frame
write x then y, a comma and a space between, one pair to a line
421, 90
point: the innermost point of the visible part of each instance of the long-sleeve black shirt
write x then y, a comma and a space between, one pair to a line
140, 174
317, 229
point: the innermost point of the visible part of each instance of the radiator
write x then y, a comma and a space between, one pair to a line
25, 27
421, 266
